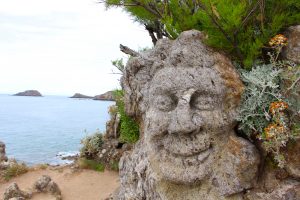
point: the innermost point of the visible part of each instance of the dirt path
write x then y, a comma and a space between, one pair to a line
74, 185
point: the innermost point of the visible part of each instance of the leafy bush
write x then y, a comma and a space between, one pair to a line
262, 88
14, 170
91, 145
114, 165
239, 27
129, 130
90, 164
270, 108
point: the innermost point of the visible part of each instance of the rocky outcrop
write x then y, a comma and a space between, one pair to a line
13, 192
107, 96
42, 185
33, 93
292, 51
112, 148
113, 125
46, 185
81, 96
3, 157
185, 96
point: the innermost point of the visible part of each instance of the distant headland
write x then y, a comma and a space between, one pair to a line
33, 93
107, 96
78, 95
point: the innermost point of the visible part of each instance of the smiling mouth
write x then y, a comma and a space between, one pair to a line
200, 156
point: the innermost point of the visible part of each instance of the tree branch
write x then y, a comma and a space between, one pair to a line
128, 51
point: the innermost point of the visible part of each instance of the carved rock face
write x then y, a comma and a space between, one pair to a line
185, 96
184, 119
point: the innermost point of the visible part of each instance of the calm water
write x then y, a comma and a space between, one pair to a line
36, 129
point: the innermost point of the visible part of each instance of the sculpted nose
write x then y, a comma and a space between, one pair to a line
181, 121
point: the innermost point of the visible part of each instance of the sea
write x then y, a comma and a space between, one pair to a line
39, 130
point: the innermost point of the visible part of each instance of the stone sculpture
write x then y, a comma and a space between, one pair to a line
185, 96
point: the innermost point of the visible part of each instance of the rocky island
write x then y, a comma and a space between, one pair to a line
107, 96
33, 93
81, 96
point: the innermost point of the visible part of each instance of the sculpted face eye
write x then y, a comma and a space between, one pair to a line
202, 101
165, 102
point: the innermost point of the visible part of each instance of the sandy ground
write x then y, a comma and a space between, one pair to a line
74, 184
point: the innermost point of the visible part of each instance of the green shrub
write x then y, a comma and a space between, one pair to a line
270, 109
129, 130
114, 165
14, 170
262, 88
91, 145
241, 28
90, 164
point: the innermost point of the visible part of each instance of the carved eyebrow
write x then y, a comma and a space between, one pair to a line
161, 90
210, 93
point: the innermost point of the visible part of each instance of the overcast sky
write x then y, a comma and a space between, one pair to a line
60, 47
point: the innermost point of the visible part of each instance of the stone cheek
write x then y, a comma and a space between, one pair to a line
236, 169
292, 51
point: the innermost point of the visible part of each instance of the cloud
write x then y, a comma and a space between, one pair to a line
62, 46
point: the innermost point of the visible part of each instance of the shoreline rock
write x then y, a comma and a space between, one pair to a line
32, 93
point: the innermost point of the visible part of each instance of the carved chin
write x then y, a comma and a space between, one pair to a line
182, 169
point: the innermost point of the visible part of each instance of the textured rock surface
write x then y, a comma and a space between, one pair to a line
185, 97
3, 157
33, 93
112, 148
292, 154
292, 51
113, 125
107, 96
78, 95
45, 184
288, 190
13, 191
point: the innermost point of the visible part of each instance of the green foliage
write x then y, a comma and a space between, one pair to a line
91, 145
270, 107
241, 28
262, 88
14, 170
129, 130
90, 164
114, 165
119, 64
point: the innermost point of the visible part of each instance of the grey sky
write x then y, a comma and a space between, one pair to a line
63, 46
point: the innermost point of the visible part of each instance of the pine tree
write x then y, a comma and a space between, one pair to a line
241, 28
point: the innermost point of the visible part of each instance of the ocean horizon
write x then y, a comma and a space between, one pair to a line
44, 129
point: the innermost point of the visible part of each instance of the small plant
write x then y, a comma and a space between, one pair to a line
262, 88
91, 145
14, 170
270, 109
129, 130
114, 165
90, 164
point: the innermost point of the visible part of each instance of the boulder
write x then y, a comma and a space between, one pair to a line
13, 191
107, 96
46, 185
33, 93
185, 96
81, 96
